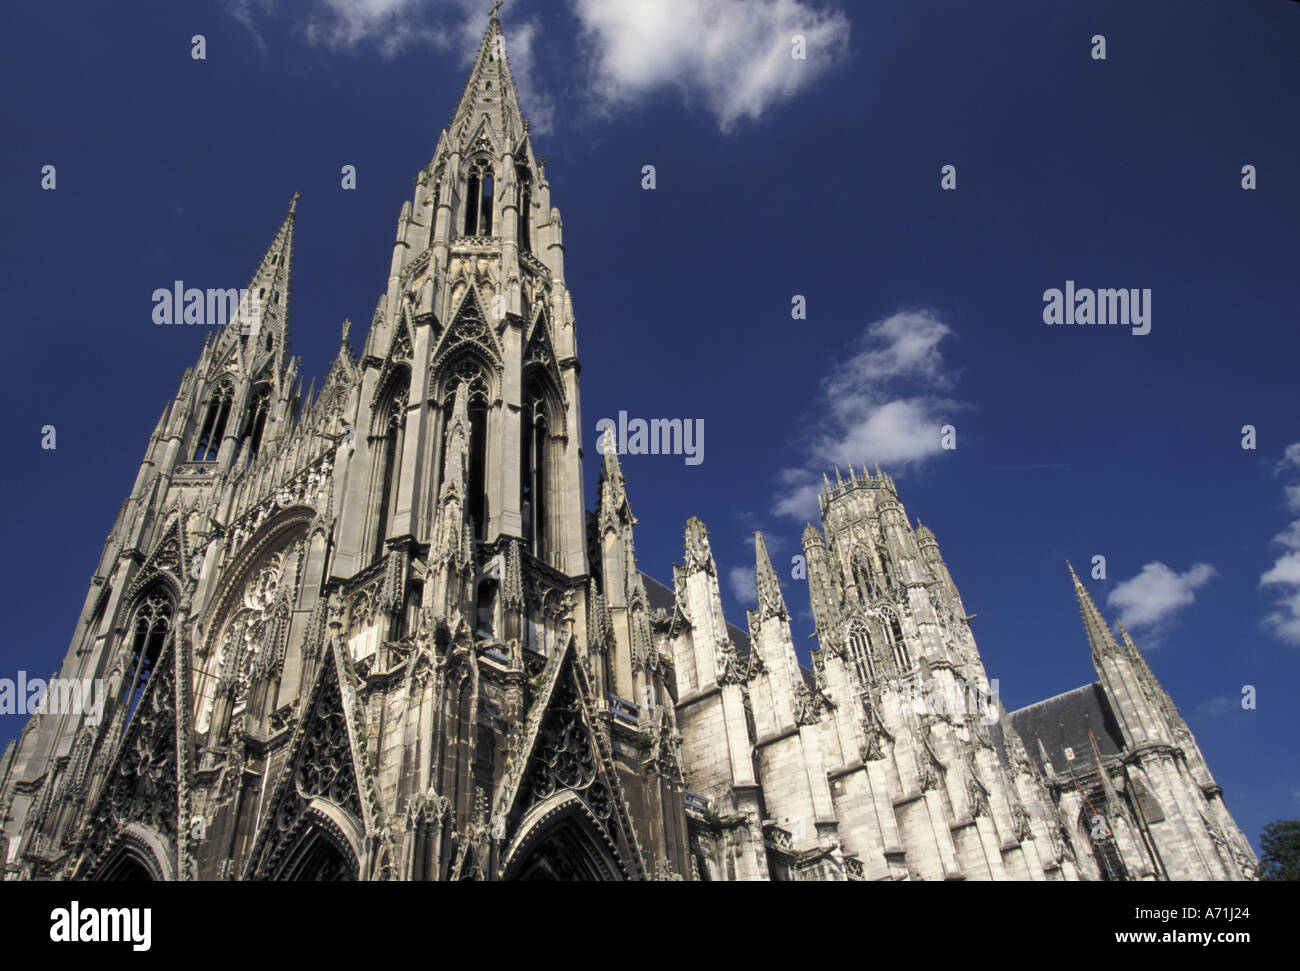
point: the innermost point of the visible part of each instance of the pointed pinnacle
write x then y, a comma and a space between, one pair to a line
771, 603
293, 203
1128, 640
608, 448
1099, 635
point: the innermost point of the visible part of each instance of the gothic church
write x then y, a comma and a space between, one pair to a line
373, 632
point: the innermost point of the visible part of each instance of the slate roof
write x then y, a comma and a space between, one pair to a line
1063, 722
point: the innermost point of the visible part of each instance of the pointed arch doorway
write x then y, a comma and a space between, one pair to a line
560, 839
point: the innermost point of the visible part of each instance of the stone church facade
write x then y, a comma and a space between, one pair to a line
373, 632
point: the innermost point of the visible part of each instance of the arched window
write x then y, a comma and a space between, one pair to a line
149, 629
887, 569
524, 183
255, 422
478, 510
476, 461
860, 652
388, 456
485, 609
214, 423
902, 657
478, 199
534, 497
861, 580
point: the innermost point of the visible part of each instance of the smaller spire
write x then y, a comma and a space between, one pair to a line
770, 601
1099, 635
1128, 641
609, 453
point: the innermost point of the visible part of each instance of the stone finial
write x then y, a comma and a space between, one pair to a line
699, 555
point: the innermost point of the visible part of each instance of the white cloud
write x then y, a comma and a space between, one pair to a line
392, 26
1285, 572
1292, 495
743, 585
881, 404
1290, 458
1157, 593
733, 55
1284, 575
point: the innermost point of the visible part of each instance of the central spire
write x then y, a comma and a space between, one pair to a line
490, 93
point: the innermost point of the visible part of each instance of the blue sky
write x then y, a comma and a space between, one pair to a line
775, 177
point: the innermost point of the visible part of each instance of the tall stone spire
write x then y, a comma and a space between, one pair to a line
1099, 635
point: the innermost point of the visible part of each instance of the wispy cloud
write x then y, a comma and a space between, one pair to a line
743, 585
1157, 593
1284, 575
735, 56
391, 27
1216, 707
884, 403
